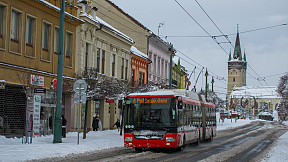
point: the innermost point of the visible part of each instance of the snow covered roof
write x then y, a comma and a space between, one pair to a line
108, 26
135, 51
58, 9
258, 92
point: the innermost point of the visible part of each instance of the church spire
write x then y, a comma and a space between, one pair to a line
229, 56
244, 56
237, 49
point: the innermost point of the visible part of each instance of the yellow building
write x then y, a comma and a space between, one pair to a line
29, 42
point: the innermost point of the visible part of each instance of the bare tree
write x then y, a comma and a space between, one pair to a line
282, 89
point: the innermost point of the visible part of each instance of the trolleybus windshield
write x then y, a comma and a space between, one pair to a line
150, 112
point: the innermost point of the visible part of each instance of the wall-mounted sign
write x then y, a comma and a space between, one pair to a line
37, 80
36, 114
65, 86
39, 90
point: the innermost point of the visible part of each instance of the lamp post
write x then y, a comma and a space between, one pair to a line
58, 121
171, 63
206, 86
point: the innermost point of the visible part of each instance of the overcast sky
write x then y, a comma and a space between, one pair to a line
266, 50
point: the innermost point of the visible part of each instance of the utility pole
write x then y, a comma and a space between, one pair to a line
58, 121
212, 84
171, 63
206, 85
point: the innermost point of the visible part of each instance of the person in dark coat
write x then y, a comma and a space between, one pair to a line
117, 124
95, 123
64, 121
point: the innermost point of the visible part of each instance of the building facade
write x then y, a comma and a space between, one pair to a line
104, 51
29, 45
159, 54
139, 67
250, 101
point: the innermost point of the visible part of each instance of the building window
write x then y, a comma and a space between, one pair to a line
143, 76
98, 59
140, 76
132, 78
46, 36
159, 65
122, 69
1, 20
86, 56
126, 70
233, 79
30, 30
162, 68
69, 39
166, 65
15, 26
113, 65
56, 40
103, 61
154, 65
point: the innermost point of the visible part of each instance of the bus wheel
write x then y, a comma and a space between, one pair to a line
138, 149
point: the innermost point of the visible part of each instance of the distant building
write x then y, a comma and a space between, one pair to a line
237, 66
253, 100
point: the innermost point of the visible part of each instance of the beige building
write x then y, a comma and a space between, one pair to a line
122, 21
253, 100
29, 43
105, 51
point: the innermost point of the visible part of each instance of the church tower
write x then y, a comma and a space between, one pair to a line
237, 66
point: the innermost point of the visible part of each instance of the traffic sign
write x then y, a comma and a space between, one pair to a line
80, 86
80, 99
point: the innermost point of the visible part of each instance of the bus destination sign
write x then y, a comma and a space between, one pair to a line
149, 100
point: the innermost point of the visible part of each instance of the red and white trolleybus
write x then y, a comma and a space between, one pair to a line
167, 119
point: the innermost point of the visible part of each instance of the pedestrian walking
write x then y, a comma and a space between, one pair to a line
64, 121
117, 124
95, 123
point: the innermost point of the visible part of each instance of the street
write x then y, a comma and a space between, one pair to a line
245, 143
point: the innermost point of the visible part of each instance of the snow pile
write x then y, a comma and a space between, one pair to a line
12, 149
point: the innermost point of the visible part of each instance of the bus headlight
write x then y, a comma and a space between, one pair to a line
128, 138
170, 139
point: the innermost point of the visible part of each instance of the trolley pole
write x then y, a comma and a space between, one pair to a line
171, 63
58, 123
206, 85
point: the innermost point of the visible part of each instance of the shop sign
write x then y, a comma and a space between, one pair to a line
65, 86
37, 80
36, 114
39, 90
109, 100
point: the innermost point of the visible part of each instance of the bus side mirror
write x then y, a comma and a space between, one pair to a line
180, 103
